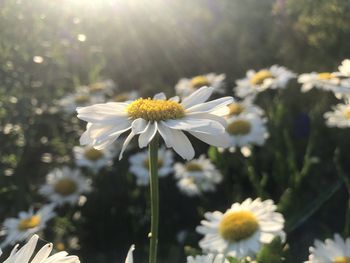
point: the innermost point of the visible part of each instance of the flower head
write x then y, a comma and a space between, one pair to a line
209, 258
197, 176
339, 117
148, 117
275, 77
25, 254
93, 159
139, 165
80, 98
344, 68
27, 223
246, 129
242, 229
336, 250
129, 257
323, 80
65, 185
185, 86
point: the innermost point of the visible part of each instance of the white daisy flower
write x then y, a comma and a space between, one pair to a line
65, 185
125, 96
27, 224
245, 106
339, 117
210, 258
102, 88
344, 68
197, 176
139, 165
93, 159
335, 250
246, 129
169, 118
26, 253
323, 80
80, 98
185, 86
242, 229
275, 77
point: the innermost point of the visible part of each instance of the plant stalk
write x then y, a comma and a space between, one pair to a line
154, 191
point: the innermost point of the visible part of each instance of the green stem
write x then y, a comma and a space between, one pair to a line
153, 168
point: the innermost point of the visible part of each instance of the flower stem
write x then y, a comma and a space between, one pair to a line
153, 168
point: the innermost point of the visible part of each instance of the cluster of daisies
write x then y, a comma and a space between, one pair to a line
113, 121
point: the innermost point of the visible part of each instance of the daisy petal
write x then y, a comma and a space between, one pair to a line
146, 137
199, 96
218, 140
159, 96
177, 140
196, 125
126, 143
210, 106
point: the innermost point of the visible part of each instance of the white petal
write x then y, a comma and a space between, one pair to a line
126, 143
177, 140
146, 137
208, 116
218, 140
210, 106
159, 96
139, 125
43, 253
129, 257
199, 96
175, 98
196, 125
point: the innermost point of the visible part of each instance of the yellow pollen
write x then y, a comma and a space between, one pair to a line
29, 222
236, 226
199, 81
81, 99
239, 127
60, 246
260, 77
235, 109
347, 114
97, 87
93, 154
193, 167
155, 110
341, 260
121, 97
65, 187
325, 76
146, 163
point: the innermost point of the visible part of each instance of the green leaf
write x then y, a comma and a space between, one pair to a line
271, 253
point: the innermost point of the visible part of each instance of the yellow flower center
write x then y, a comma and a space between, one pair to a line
239, 127
65, 187
260, 77
146, 163
193, 167
325, 76
347, 114
93, 154
235, 109
97, 87
199, 81
121, 97
236, 226
81, 99
60, 246
29, 222
341, 260
155, 110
